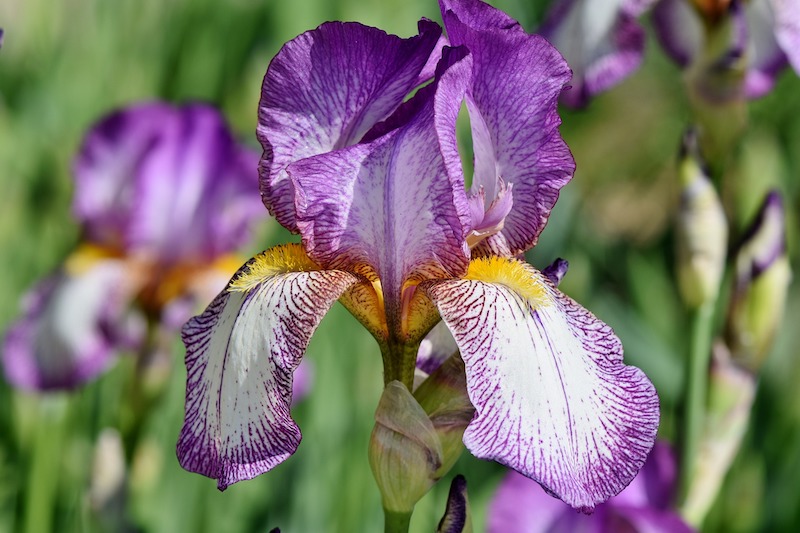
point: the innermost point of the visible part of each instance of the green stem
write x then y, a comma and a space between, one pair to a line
396, 522
399, 362
44, 474
697, 389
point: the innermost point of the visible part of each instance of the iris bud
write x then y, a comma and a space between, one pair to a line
731, 394
702, 230
456, 517
444, 398
404, 450
762, 279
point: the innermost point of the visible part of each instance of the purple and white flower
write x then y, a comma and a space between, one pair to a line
600, 39
520, 506
767, 33
373, 183
164, 194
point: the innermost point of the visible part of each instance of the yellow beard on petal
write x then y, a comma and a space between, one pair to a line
86, 256
277, 260
516, 275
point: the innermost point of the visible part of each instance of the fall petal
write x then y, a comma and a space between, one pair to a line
554, 400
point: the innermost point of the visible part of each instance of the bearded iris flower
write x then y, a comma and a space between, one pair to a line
373, 183
164, 195
766, 32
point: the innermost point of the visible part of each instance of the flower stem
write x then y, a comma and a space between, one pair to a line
396, 522
399, 362
696, 389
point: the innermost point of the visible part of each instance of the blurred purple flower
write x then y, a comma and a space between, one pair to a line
163, 195
374, 184
766, 32
521, 506
600, 39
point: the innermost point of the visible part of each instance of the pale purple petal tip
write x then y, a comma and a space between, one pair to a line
437, 346
71, 329
325, 89
397, 203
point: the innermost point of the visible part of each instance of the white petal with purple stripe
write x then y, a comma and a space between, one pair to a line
241, 353
554, 400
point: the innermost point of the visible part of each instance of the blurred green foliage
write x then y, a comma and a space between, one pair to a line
63, 64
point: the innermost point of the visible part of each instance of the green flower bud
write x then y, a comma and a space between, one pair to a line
762, 280
404, 450
731, 394
444, 398
702, 230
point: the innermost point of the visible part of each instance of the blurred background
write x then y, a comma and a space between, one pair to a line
65, 64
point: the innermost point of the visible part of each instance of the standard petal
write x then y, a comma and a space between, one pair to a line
324, 90
479, 15
512, 102
73, 325
106, 165
166, 181
396, 205
240, 356
554, 400
601, 41
196, 190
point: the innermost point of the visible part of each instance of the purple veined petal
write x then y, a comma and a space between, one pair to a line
679, 30
512, 102
601, 41
396, 204
240, 356
324, 90
435, 348
73, 325
553, 398
197, 190
479, 15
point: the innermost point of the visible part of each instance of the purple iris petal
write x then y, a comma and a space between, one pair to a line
72, 326
325, 89
396, 204
520, 505
553, 399
168, 182
601, 41
240, 357
512, 102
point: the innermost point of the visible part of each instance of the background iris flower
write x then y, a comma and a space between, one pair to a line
374, 186
164, 195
